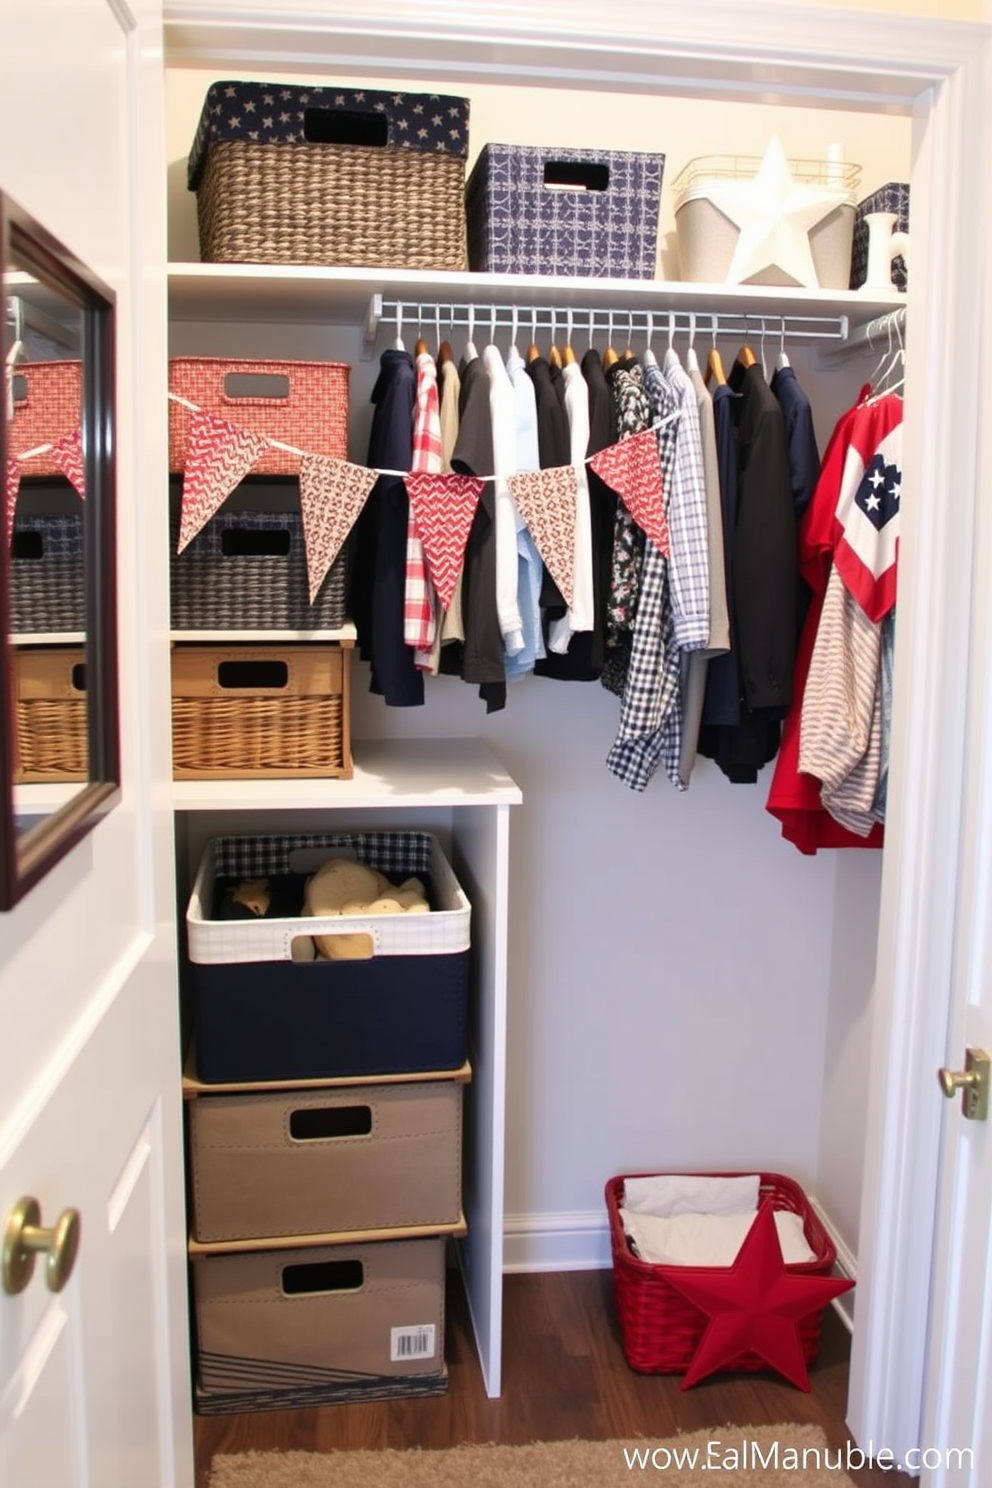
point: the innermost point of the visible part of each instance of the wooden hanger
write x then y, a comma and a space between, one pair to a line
609, 358
568, 356
554, 357
746, 357
533, 352
714, 369
420, 347
445, 353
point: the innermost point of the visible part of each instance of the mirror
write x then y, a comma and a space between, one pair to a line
59, 748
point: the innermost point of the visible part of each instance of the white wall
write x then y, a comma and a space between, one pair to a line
686, 989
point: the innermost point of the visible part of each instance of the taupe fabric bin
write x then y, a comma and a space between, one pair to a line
320, 1316
304, 1162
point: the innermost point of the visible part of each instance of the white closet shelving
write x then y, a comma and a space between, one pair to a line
454, 787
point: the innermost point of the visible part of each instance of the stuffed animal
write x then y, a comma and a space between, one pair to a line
342, 886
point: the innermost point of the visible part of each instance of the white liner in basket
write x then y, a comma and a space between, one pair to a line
443, 931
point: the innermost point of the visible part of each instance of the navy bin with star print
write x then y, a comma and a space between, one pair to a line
331, 175
533, 209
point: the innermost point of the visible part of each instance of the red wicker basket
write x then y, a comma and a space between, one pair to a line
660, 1328
48, 404
304, 404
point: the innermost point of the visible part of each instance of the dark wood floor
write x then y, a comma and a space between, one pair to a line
564, 1375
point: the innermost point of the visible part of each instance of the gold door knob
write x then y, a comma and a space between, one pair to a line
24, 1238
972, 1081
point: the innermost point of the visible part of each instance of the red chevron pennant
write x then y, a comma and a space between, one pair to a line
67, 453
546, 499
444, 506
632, 468
332, 493
13, 485
218, 456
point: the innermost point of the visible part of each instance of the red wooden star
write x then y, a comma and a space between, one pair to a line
754, 1306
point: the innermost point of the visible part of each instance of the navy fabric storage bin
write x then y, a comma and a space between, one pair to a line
893, 197
532, 209
258, 1014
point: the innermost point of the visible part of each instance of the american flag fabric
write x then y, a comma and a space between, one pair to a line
284, 114
419, 608
866, 518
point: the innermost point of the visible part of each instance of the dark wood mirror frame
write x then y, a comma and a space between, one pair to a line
27, 855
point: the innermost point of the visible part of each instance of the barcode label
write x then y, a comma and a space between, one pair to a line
412, 1343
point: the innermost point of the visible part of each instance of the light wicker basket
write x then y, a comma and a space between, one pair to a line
304, 404
296, 190
660, 1328
48, 404
247, 570
261, 712
52, 738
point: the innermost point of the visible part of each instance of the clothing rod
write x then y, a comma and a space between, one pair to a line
874, 336
425, 315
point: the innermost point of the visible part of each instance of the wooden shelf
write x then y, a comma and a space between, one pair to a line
344, 635
197, 1248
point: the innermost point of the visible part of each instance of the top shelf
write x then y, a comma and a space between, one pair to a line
277, 293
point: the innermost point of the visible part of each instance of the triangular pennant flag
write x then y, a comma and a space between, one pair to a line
632, 468
218, 455
444, 506
67, 453
546, 499
13, 483
332, 493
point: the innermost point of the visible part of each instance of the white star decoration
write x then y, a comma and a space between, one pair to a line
774, 215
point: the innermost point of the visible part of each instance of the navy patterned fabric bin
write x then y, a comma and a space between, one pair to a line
47, 592
247, 570
330, 175
893, 197
532, 209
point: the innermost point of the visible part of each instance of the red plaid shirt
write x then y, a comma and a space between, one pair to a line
420, 600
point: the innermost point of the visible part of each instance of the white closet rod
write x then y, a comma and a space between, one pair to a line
872, 337
419, 315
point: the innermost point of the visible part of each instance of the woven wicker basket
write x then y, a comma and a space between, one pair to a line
48, 404
261, 712
304, 404
660, 1328
299, 196
50, 686
47, 591
226, 580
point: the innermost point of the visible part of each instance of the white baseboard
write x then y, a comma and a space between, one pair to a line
581, 1242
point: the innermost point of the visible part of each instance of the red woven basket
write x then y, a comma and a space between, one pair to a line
304, 404
660, 1328
48, 404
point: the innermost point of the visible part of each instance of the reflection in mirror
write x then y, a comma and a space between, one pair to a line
58, 658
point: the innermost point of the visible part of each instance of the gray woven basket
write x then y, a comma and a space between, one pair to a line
218, 583
47, 592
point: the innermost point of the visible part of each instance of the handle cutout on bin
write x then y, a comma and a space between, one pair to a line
577, 175
255, 542
253, 674
323, 1276
77, 676
28, 546
338, 127
317, 1123
271, 385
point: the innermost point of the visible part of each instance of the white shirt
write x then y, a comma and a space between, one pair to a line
581, 615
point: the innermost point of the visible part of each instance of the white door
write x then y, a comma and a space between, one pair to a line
94, 1384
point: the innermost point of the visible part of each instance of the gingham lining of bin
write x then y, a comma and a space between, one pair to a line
444, 931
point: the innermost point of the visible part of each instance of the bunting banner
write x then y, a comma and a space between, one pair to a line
632, 468
13, 485
546, 500
444, 506
67, 453
218, 456
332, 494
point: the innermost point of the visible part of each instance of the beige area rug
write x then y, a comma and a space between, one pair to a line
746, 1456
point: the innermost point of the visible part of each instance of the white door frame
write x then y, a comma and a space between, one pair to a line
796, 55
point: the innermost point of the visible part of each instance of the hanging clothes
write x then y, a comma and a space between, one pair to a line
554, 450
378, 576
804, 458
579, 616
420, 602
503, 413
633, 416
844, 491
530, 566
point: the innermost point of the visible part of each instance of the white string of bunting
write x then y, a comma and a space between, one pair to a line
219, 454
